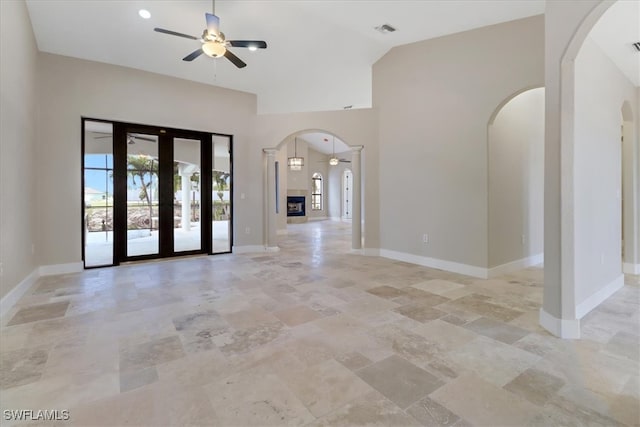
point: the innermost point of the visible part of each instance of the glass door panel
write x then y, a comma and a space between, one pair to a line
98, 194
142, 194
187, 231
221, 194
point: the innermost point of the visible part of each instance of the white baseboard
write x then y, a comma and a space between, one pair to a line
563, 328
12, 297
516, 265
597, 298
628, 268
371, 251
455, 267
54, 269
317, 218
248, 249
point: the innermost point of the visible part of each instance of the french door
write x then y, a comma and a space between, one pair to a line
167, 193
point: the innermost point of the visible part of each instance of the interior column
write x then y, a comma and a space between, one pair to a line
356, 217
271, 219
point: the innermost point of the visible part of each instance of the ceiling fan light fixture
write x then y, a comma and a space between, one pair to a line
333, 161
144, 13
253, 48
214, 49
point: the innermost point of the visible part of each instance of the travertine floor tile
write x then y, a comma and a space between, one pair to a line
313, 335
400, 381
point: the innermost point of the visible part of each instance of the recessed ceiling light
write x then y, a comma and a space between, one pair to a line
144, 13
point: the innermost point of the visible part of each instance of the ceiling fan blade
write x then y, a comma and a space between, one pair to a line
344, 161
236, 61
193, 55
213, 24
258, 44
102, 137
143, 138
173, 33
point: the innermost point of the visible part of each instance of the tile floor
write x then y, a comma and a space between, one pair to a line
313, 336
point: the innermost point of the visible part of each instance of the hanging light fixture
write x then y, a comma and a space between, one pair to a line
333, 160
295, 163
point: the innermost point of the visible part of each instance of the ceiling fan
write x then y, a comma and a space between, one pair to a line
334, 160
131, 138
214, 43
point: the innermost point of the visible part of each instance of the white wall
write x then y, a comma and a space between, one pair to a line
600, 92
435, 99
69, 89
516, 179
19, 172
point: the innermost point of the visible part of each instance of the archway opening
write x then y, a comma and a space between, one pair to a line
516, 182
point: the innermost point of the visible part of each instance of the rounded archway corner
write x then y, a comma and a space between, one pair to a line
627, 112
508, 99
301, 132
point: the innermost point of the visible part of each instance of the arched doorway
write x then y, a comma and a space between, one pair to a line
282, 183
515, 138
582, 166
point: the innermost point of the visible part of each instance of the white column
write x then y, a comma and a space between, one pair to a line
270, 197
356, 195
185, 179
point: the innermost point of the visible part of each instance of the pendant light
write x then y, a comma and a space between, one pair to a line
333, 160
295, 163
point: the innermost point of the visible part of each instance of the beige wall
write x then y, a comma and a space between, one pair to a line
19, 171
70, 89
435, 99
597, 169
516, 179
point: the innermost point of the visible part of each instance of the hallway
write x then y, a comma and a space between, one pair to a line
313, 335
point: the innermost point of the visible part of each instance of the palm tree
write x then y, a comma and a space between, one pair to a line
220, 179
143, 167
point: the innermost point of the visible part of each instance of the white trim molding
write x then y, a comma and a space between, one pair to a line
516, 265
55, 269
455, 267
628, 268
14, 295
563, 328
248, 249
597, 298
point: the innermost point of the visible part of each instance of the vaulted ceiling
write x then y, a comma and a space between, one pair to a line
320, 52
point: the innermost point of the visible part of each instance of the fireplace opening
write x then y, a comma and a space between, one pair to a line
295, 206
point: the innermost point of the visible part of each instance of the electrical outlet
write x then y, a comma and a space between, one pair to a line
247, 230
425, 238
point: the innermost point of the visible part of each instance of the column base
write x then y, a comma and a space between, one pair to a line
563, 328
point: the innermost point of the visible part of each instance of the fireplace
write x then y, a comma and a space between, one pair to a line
295, 206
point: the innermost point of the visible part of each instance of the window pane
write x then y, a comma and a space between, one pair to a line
186, 196
98, 194
221, 194
142, 194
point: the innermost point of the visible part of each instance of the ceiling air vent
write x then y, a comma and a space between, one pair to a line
637, 46
385, 29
